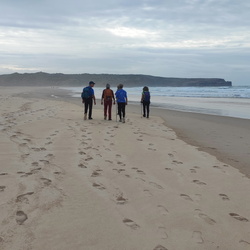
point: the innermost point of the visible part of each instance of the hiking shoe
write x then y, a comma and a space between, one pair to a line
123, 120
120, 120
85, 117
90, 118
105, 117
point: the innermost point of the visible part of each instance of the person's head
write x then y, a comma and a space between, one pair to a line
145, 88
91, 84
107, 86
120, 86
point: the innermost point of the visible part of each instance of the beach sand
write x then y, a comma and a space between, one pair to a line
66, 183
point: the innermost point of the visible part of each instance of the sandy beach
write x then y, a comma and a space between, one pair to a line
174, 181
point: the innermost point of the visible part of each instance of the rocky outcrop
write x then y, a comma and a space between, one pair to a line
45, 79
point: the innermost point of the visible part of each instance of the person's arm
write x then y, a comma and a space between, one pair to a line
94, 99
102, 99
142, 97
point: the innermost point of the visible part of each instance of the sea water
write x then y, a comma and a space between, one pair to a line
223, 101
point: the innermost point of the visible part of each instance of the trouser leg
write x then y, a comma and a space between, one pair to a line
105, 108
86, 106
148, 110
89, 105
110, 109
123, 110
120, 110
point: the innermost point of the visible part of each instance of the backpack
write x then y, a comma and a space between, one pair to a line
108, 94
146, 96
86, 93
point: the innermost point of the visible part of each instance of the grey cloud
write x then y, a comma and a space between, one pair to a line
161, 37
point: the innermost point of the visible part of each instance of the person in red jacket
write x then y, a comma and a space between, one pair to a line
107, 99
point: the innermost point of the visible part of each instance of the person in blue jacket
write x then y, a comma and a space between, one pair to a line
145, 100
122, 101
88, 96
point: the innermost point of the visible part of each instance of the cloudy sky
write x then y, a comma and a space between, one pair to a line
171, 38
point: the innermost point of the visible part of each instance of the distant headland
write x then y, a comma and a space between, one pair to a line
129, 80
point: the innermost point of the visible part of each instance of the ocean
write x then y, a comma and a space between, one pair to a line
223, 101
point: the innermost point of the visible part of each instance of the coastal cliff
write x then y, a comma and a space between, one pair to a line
129, 80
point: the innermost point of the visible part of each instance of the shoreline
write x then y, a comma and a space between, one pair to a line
226, 138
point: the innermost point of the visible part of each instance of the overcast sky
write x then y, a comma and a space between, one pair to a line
170, 38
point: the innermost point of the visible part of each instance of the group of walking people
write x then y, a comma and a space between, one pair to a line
108, 98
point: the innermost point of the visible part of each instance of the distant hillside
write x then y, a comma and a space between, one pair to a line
45, 79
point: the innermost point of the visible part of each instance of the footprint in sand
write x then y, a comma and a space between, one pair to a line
130, 224
2, 188
155, 185
207, 219
27, 174
238, 217
160, 247
147, 192
89, 158
177, 162
23, 198
21, 217
197, 237
120, 199
121, 163
4, 174
169, 169
186, 197
46, 181
95, 174
35, 170
20, 172
224, 197
244, 243
81, 153
162, 232
163, 210
81, 165
199, 182
152, 149
139, 171
108, 161
44, 161
98, 186
119, 170
218, 167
